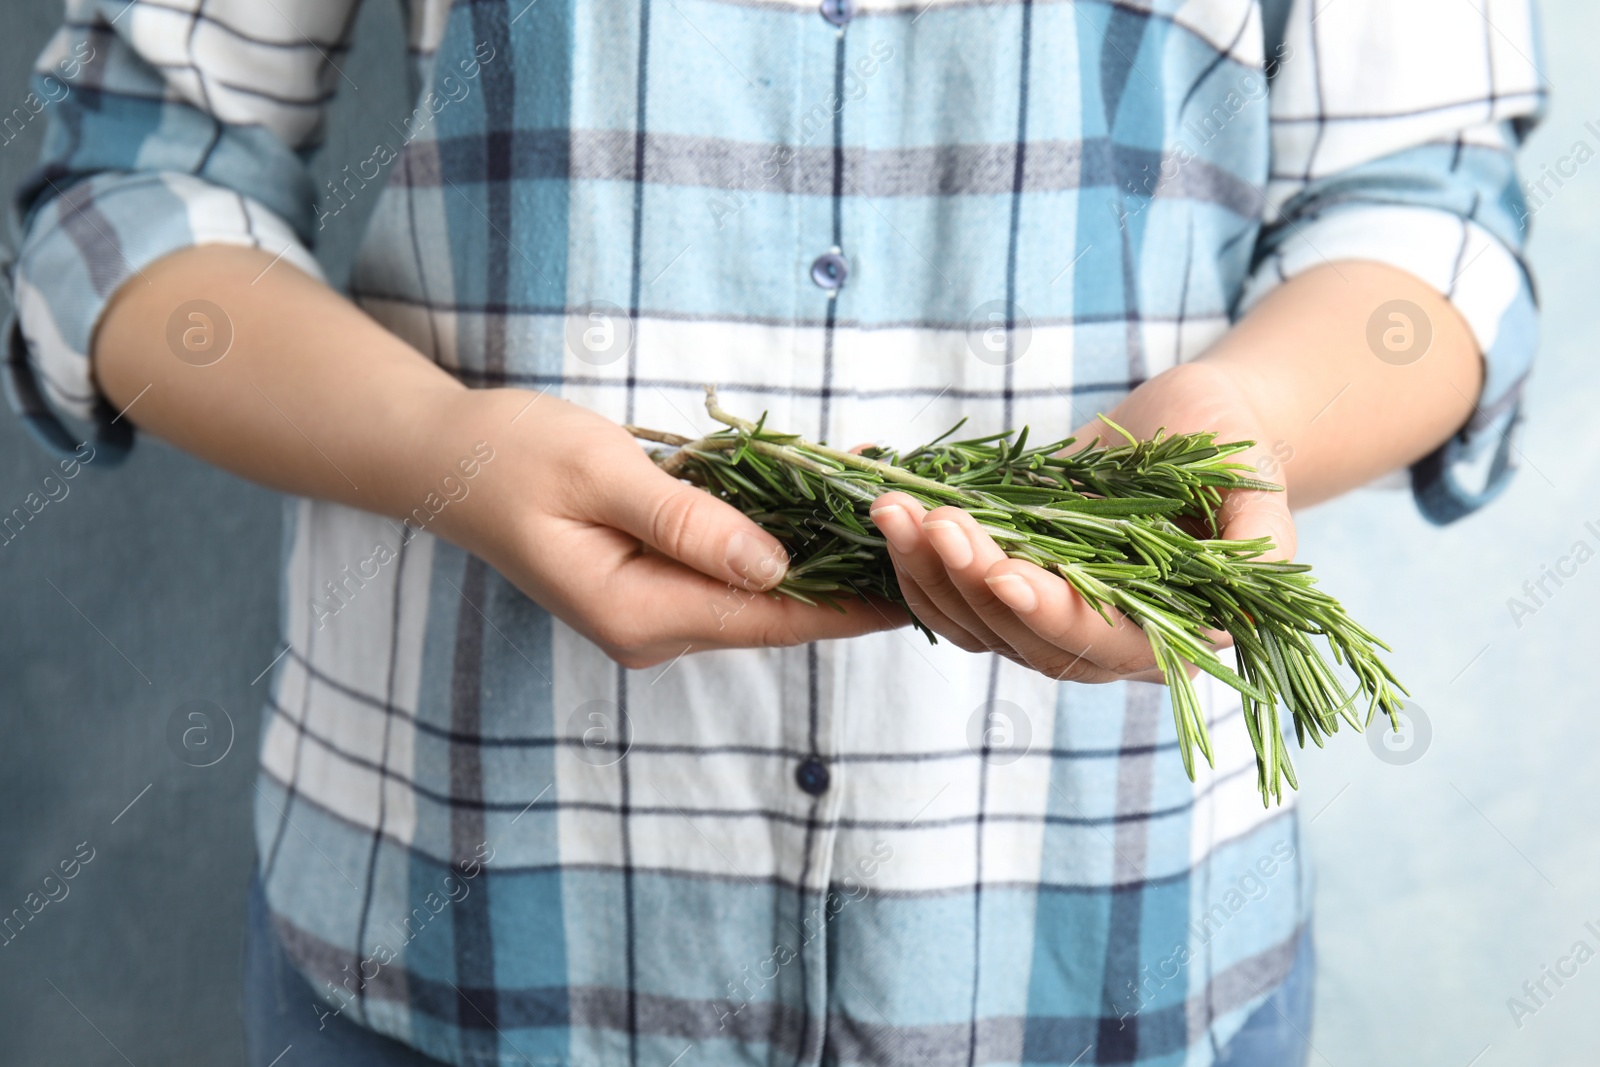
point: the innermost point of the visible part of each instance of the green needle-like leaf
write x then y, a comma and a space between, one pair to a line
1114, 521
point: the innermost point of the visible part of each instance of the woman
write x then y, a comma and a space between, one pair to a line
504, 814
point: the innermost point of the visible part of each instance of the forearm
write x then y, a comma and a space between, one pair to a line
1303, 360
316, 399
312, 397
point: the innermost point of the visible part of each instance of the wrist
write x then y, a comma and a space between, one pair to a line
1247, 400
447, 439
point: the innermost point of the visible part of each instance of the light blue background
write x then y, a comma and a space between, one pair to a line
1443, 886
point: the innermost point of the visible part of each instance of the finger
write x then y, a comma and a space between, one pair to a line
1076, 632
1057, 663
932, 617
738, 618
1247, 514
899, 518
648, 607
1120, 648
688, 524
924, 579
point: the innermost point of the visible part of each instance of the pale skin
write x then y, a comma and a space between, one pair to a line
316, 399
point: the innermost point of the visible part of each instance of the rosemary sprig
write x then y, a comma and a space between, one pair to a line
1113, 521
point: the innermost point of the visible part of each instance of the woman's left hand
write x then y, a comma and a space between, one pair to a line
960, 583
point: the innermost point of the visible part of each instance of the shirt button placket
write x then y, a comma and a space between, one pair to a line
812, 774
830, 269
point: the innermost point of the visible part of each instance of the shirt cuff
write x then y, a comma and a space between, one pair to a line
78, 249
1485, 281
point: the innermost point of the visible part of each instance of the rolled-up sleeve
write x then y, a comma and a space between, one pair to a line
168, 126
1394, 128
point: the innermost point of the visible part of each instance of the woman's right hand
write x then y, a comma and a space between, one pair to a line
311, 396
574, 513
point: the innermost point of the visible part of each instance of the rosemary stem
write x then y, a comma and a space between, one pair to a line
1111, 520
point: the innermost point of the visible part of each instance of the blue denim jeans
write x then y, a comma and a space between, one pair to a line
280, 1010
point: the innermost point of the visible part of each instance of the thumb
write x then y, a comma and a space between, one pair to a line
1248, 513
692, 526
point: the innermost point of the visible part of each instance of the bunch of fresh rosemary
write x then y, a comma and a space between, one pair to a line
1114, 522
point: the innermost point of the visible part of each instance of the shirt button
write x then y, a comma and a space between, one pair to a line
838, 12
813, 777
829, 270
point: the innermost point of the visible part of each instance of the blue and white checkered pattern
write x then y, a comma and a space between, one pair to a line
1040, 204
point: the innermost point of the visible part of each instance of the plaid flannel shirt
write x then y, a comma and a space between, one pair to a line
482, 837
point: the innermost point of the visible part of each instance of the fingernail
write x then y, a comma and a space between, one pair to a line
1015, 592
950, 541
754, 563
897, 526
